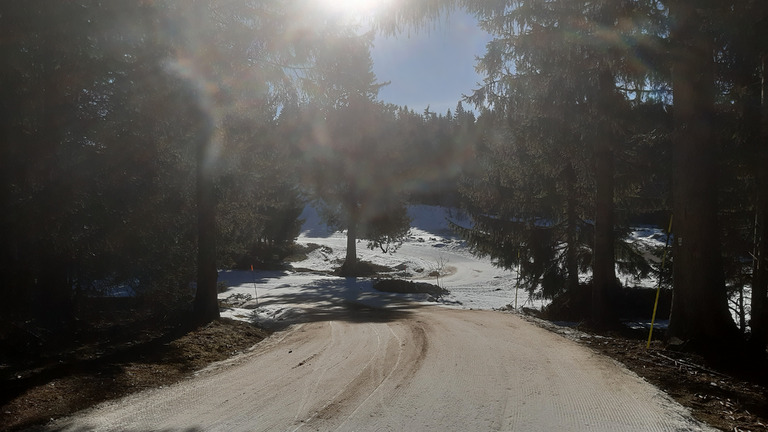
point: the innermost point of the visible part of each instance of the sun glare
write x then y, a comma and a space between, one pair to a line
353, 9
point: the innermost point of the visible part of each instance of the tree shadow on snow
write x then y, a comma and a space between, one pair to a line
243, 277
333, 299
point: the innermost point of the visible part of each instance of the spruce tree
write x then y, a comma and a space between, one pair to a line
556, 81
350, 153
699, 313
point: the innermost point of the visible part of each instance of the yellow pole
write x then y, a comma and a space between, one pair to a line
658, 286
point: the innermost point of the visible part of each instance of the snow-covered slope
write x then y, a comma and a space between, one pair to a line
271, 296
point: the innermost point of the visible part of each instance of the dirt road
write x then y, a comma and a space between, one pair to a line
418, 369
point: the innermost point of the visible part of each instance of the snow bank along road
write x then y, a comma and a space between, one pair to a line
411, 368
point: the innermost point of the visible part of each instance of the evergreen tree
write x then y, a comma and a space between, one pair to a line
711, 54
742, 71
699, 314
239, 55
351, 154
112, 114
562, 103
84, 155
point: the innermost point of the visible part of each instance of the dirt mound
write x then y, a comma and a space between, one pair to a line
630, 303
361, 269
407, 287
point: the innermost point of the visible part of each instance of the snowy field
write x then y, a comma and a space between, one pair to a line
283, 297
271, 296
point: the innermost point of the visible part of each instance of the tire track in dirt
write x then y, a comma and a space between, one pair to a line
404, 349
316, 371
335, 405
431, 369
390, 372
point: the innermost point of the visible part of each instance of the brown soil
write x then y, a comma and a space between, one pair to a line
733, 400
30, 397
718, 399
48, 391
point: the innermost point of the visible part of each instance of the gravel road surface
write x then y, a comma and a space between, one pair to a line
416, 368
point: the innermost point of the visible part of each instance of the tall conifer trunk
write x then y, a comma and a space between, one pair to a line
206, 305
55, 293
350, 262
700, 313
604, 260
759, 319
572, 234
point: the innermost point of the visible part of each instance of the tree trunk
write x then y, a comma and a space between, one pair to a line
604, 256
603, 261
350, 262
56, 292
572, 233
206, 304
700, 313
53, 287
759, 318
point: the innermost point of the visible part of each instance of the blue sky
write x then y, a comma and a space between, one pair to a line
432, 66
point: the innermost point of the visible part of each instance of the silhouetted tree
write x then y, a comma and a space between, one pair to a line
556, 81
699, 314
239, 56
351, 156
84, 155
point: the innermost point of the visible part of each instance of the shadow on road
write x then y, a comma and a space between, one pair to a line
329, 299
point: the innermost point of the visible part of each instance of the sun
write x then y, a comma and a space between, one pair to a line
353, 10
